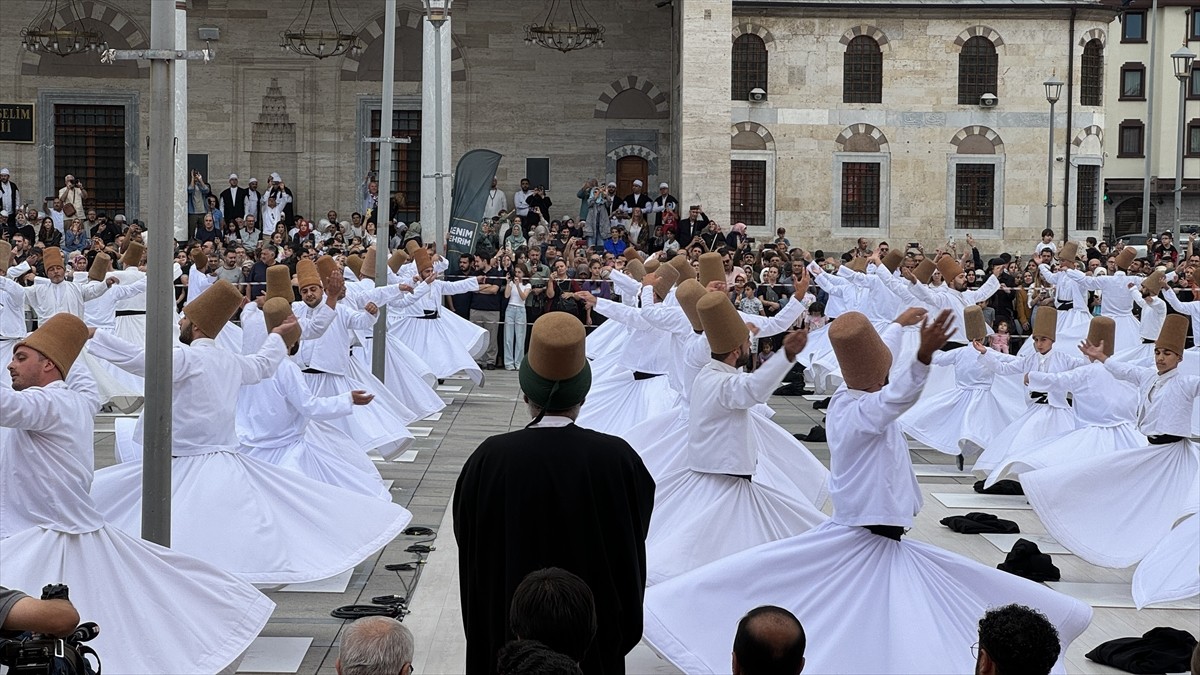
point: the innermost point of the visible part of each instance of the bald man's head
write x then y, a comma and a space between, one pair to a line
769, 641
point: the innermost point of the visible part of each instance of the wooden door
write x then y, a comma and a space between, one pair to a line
630, 169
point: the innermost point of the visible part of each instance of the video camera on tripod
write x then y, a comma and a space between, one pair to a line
36, 654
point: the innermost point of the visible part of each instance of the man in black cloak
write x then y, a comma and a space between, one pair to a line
553, 495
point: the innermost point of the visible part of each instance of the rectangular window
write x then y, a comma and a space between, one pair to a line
1133, 82
1131, 136
1133, 27
1192, 147
748, 192
1087, 196
406, 161
89, 142
860, 194
1193, 90
1193, 26
974, 196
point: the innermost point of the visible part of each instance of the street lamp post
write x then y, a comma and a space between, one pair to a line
1183, 70
1053, 91
437, 13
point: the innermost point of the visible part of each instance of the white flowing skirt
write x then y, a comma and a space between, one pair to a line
259, 522
1128, 332
702, 517
326, 458
159, 611
878, 605
410, 380
605, 344
1083, 443
448, 344
620, 403
381, 425
956, 421
1171, 570
1039, 423
1113, 509
784, 463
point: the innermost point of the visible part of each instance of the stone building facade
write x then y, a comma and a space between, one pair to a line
903, 157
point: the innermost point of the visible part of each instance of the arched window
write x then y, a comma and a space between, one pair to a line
862, 71
749, 66
1091, 77
978, 66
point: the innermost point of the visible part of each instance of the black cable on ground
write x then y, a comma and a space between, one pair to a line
396, 606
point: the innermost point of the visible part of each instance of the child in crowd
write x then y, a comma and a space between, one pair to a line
765, 351
999, 339
816, 316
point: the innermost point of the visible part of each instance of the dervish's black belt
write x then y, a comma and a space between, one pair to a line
1064, 306
1164, 439
429, 314
1147, 341
1039, 397
313, 371
131, 312
639, 375
739, 475
893, 532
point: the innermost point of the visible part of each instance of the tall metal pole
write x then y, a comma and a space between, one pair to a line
156, 463
1149, 139
1050, 173
383, 209
1179, 154
439, 142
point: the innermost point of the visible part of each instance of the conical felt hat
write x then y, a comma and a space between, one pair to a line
200, 260
279, 282
924, 271
1069, 251
858, 264
60, 339
101, 266
635, 270
1153, 283
213, 308
368, 266
723, 326
52, 257
652, 264
326, 266
397, 260
711, 268
1102, 329
688, 294
1173, 335
134, 253
1125, 258
275, 312
555, 373
861, 353
631, 253
307, 274
422, 259
667, 277
893, 259
355, 263
1046, 323
411, 245
973, 320
683, 267
5, 255
949, 268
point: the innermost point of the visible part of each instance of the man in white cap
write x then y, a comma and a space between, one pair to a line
663, 202
10, 194
636, 200
233, 200
252, 200
283, 200
71, 193
119, 223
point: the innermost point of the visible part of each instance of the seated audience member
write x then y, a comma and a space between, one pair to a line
555, 608
376, 645
530, 657
1016, 639
769, 641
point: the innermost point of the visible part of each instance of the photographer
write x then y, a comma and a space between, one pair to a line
20, 613
72, 195
197, 200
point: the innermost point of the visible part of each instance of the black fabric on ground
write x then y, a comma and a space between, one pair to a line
1027, 560
980, 523
791, 389
814, 435
1160, 650
821, 405
1002, 487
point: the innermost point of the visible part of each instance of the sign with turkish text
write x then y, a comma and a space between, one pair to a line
16, 122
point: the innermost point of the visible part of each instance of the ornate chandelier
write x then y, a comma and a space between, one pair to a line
566, 29
307, 38
58, 29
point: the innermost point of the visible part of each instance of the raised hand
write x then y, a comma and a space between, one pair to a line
1093, 352
912, 316
802, 283
360, 397
794, 343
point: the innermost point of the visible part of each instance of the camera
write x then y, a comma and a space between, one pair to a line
35, 654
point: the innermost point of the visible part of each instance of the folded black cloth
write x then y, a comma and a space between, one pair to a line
814, 435
1161, 650
791, 389
1002, 487
1027, 560
821, 405
980, 523
796, 374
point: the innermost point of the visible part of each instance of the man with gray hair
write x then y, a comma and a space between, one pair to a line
376, 645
